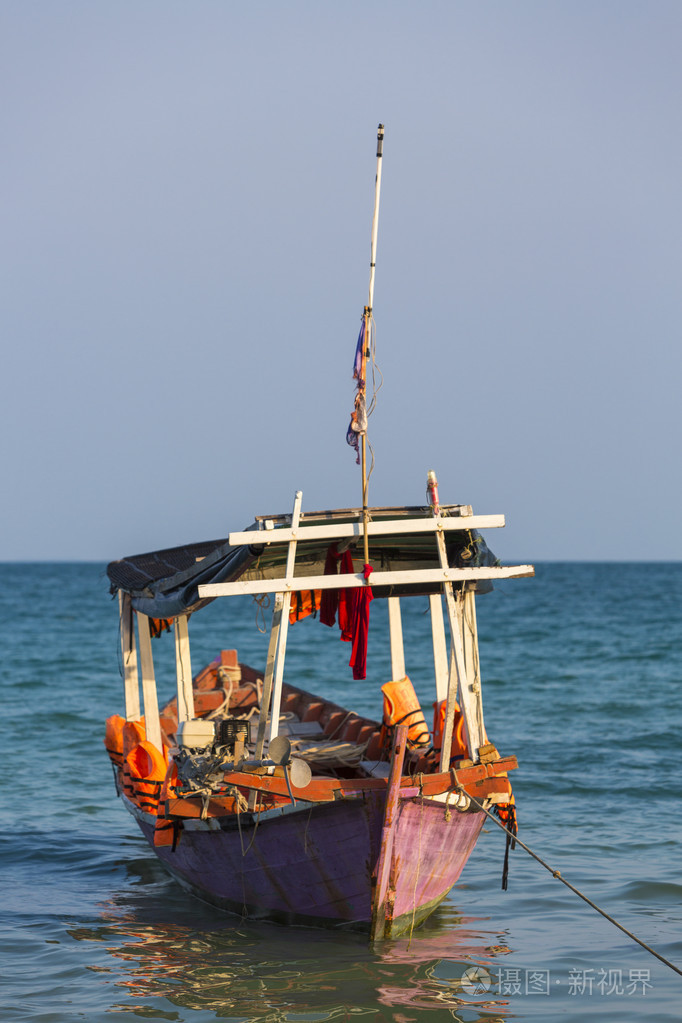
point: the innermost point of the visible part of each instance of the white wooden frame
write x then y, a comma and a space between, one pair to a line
269, 674
415, 577
343, 530
183, 669
458, 680
440, 647
471, 659
283, 626
271, 700
131, 684
395, 626
151, 703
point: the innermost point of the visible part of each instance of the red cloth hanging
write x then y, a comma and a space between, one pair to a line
352, 606
341, 600
347, 601
330, 598
360, 627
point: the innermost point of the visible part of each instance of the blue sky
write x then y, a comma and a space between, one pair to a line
186, 196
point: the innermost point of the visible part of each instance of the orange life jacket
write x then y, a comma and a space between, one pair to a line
166, 832
507, 814
401, 706
113, 738
159, 625
132, 734
304, 603
144, 773
459, 745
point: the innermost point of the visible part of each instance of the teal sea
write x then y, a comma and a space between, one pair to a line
582, 668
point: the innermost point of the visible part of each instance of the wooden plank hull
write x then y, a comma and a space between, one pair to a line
316, 864
429, 855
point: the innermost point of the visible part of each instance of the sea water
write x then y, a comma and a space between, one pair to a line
581, 668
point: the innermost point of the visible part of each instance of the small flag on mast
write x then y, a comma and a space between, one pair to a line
358, 417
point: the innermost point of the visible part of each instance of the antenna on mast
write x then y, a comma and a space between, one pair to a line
375, 217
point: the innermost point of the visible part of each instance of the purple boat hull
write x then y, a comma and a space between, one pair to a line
317, 864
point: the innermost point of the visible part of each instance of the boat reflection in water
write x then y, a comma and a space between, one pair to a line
173, 951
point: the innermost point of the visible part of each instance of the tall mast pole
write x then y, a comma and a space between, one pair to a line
368, 326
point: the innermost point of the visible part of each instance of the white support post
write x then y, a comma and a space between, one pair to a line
395, 627
183, 670
458, 686
458, 683
151, 703
278, 675
440, 647
131, 685
470, 632
267, 687
269, 673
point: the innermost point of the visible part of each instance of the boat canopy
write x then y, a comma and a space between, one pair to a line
165, 583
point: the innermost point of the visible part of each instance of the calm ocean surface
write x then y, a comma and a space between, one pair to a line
582, 669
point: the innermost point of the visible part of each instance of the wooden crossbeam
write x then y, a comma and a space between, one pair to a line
344, 530
415, 577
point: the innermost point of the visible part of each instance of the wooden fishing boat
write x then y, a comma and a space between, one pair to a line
274, 802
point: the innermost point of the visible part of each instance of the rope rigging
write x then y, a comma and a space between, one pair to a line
557, 875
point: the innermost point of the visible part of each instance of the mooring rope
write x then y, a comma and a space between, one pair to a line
557, 875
